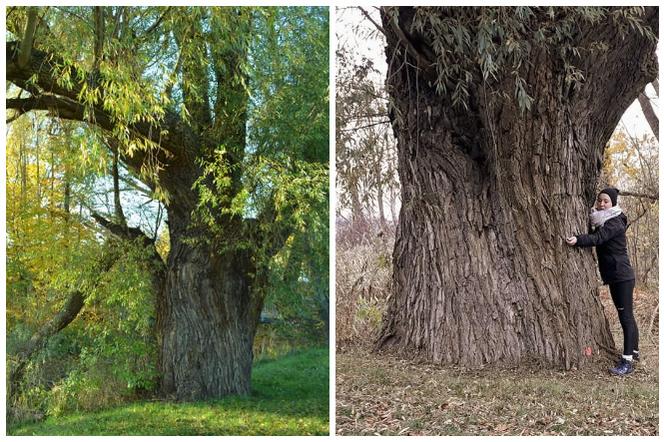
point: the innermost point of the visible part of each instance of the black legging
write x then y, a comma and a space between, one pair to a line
622, 295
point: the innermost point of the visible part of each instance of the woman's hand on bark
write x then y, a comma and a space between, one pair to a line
571, 240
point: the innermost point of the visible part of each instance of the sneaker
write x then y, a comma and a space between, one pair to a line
623, 368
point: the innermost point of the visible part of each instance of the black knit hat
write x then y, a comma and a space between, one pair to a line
613, 194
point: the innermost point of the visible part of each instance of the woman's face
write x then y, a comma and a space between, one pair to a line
603, 202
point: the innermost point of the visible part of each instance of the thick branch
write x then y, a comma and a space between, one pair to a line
28, 37
125, 232
624, 54
63, 318
130, 234
172, 134
423, 61
65, 108
99, 37
195, 81
60, 107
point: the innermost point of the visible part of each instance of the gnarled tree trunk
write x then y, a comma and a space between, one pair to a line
481, 270
207, 320
210, 306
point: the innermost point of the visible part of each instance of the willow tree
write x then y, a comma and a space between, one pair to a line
502, 116
216, 111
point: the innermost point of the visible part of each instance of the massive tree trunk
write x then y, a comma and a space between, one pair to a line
481, 270
207, 324
207, 317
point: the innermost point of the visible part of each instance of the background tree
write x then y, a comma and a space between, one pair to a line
59, 261
365, 158
205, 110
631, 164
367, 187
502, 116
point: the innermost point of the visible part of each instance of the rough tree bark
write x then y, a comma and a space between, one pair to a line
481, 271
207, 317
208, 309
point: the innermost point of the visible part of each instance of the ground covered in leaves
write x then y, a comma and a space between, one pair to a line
387, 395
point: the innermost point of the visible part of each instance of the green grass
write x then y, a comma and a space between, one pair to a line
290, 397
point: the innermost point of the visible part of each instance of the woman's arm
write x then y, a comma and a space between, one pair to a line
610, 229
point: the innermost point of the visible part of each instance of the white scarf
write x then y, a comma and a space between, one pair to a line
599, 217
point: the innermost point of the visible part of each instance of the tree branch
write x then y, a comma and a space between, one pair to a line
121, 231
649, 113
368, 17
649, 196
423, 62
68, 312
156, 24
119, 214
172, 134
28, 37
132, 233
352, 129
60, 107
99, 38
63, 318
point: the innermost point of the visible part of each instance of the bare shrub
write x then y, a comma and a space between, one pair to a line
364, 278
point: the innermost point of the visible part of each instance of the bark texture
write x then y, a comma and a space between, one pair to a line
481, 271
207, 318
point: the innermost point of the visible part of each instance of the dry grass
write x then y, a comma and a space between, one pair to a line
382, 394
364, 273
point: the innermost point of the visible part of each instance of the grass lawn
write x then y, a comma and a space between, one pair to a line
290, 397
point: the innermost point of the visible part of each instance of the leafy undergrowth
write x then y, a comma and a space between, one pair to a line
383, 394
290, 398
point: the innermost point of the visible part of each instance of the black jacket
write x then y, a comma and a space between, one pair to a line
611, 249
